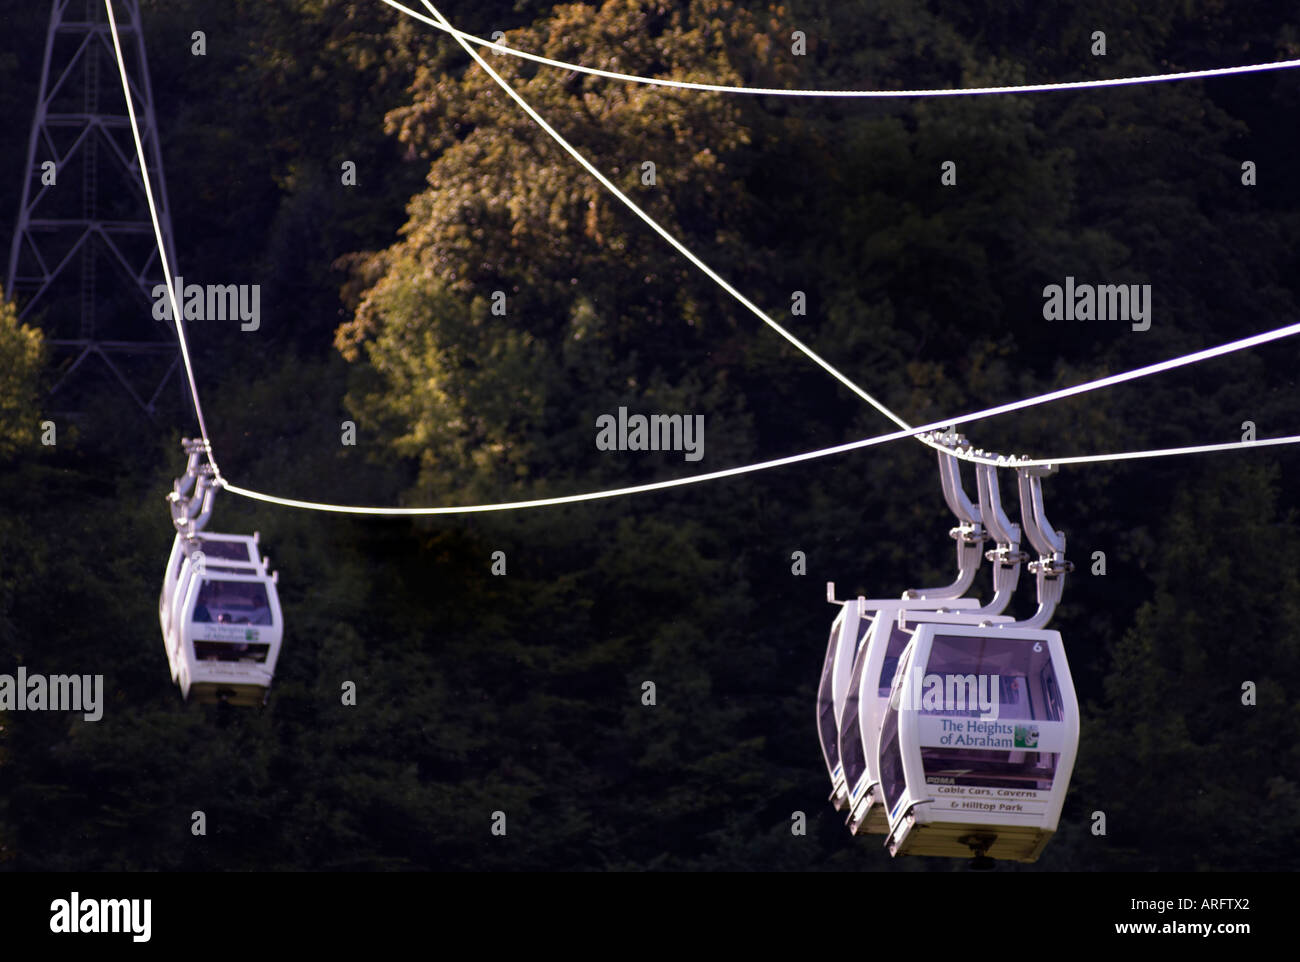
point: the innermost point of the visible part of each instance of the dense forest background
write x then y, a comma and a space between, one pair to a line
522, 693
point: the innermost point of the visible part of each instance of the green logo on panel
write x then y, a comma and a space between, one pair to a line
250, 634
1026, 736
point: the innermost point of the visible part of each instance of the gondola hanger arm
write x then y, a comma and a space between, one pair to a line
1006, 557
969, 534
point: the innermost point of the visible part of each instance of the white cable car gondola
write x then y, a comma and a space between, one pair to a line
856, 618
978, 741
878, 658
219, 609
987, 779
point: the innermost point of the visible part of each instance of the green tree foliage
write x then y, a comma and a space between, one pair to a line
22, 357
21, 360
590, 305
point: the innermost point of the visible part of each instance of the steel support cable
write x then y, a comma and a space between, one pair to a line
729, 472
158, 238
863, 94
907, 432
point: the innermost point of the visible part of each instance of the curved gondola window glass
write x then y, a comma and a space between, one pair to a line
1026, 690
891, 760
226, 550
233, 602
898, 639
826, 698
854, 756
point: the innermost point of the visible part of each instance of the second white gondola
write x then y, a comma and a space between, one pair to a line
873, 676
884, 645
855, 619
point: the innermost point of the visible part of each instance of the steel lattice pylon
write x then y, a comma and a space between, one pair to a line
89, 209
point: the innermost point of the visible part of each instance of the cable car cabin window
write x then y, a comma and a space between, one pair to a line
1026, 691
226, 550
231, 651
826, 698
1053, 694
898, 639
828, 667
233, 603
864, 626
829, 732
852, 753
891, 761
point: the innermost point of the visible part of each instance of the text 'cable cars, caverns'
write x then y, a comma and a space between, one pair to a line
219, 608
947, 726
